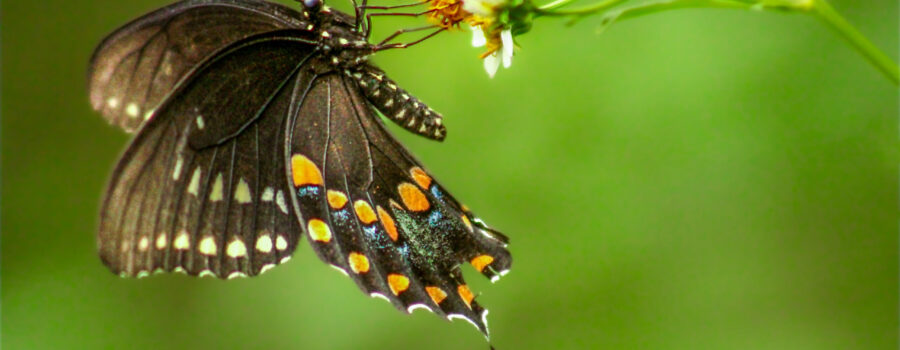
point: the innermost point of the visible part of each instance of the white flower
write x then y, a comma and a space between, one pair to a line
478, 39
491, 64
506, 37
503, 54
483, 8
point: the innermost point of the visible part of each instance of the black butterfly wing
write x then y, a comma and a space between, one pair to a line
135, 67
372, 211
201, 187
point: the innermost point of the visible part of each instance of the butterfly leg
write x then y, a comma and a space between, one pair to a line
404, 31
395, 6
369, 16
381, 47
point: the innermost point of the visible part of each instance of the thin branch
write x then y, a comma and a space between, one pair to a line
821, 9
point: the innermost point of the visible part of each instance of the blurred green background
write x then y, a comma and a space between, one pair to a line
701, 179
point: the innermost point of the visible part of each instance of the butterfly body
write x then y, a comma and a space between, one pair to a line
256, 125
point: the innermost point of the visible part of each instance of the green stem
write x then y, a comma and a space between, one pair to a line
876, 57
554, 5
820, 8
548, 9
663, 6
640, 10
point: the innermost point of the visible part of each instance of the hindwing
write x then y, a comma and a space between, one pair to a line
371, 210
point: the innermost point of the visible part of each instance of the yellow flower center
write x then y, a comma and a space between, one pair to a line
447, 13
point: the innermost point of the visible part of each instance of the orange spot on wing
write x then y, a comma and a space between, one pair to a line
319, 230
420, 177
364, 212
304, 171
412, 197
481, 261
358, 262
398, 283
336, 199
437, 295
466, 221
465, 294
388, 222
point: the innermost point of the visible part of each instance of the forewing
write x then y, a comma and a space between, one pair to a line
201, 189
135, 67
372, 211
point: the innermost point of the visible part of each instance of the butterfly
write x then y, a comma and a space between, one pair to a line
256, 125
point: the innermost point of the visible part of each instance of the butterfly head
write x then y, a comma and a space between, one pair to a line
312, 4
326, 18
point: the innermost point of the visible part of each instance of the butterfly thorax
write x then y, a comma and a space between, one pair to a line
340, 40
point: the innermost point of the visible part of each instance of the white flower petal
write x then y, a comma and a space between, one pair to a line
478, 39
479, 7
471, 5
491, 64
506, 37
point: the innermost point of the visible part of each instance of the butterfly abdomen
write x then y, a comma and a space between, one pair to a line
398, 105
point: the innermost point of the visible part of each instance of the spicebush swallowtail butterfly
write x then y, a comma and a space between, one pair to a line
256, 124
